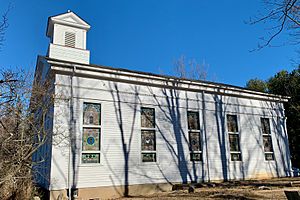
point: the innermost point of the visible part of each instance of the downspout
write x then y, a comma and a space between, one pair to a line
71, 130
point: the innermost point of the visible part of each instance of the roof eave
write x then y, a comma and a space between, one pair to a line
196, 83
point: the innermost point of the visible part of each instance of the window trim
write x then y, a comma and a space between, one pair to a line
234, 133
82, 126
140, 137
200, 136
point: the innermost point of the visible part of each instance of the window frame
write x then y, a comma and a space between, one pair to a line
267, 135
155, 137
191, 152
83, 126
237, 133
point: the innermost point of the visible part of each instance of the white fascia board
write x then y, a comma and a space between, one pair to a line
71, 15
68, 23
60, 19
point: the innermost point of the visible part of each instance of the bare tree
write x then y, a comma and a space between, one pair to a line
24, 114
3, 26
25, 126
190, 69
280, 16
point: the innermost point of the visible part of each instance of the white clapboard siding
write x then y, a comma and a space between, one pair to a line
173, 159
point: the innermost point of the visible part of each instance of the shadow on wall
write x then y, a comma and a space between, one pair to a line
254, 151
172, 114
281, 138
126, 142
66, 138
222, 140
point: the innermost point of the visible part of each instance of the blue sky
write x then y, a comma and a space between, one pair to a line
150, 35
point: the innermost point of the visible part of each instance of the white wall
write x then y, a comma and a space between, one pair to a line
172, 146
69, 54
58, 50
59, 35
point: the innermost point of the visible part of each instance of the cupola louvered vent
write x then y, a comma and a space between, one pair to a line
70, 39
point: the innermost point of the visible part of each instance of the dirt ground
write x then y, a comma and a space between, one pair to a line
239, 190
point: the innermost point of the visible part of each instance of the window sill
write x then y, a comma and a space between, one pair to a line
91, 126
196, 162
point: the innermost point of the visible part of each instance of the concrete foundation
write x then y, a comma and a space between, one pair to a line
111, 192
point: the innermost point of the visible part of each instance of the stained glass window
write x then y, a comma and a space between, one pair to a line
234, 142
269, 156
149, 157
194, 136
196, 156
234, 138
232, 123
195, 144
91, 140
90, 157
148, 140
236, 157
265, 126
148, 118
91, 114
268, 143
91, 133
267, 139
193, 120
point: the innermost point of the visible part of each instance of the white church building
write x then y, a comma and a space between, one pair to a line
118, 132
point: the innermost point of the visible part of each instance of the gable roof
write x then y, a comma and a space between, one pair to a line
69, 19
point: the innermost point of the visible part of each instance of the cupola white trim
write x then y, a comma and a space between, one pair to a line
67, 19
68, 35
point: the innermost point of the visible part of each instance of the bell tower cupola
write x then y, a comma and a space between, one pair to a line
67, 33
